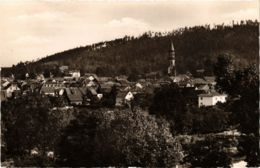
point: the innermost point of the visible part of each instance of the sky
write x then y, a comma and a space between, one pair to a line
32, 29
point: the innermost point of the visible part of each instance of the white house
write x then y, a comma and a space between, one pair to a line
211, 99
74, 74
10, 89
129, 97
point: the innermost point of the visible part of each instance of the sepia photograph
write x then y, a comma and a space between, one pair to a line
121, 83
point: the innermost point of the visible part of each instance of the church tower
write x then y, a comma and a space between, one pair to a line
172, 68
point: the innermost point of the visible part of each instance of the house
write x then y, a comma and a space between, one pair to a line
210, 80
91, 75
10, 89
51, 88
129, 97
119, 102
120, 99
86, 97
211, 99
5, 84
74, 96
186, 83
199, 81
99, 96
74, 74
93, 91
64, 68
90, 81
122, 80
48, 91
40, 77
180, 78
104, 79
206, 83
139, 85
30, 85
203, 87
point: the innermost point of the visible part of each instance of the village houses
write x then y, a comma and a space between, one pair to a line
88, 89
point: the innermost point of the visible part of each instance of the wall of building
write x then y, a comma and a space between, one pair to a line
211, 101
220, 98
205, 101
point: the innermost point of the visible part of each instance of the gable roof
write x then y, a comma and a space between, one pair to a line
199, 81
211, 94
121, 94
5, 84
83, 90
92, 91
203, 87
74, 94
210, 79
45, 89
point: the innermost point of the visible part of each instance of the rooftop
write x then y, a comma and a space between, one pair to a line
211, 94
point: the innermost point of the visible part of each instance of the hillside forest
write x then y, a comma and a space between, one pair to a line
195, 48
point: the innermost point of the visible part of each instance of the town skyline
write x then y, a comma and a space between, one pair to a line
33, 30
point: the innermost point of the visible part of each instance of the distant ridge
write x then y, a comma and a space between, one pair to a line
196, 48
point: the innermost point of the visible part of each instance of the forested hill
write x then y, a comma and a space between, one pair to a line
195, 48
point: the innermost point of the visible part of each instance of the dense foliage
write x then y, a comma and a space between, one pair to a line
172, 103
29, 124
208, 153
118, 138
243, 87
196, 48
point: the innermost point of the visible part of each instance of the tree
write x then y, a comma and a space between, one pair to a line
32, 123
46, 73
170, 103
207, 153
109, 99
32, 75
246, 113
123, 70
210, 119
246, 107
143, 100
133, 77
243, 87
117, 138
224, 72
249, 145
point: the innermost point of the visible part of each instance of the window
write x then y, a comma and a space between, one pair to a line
201, 98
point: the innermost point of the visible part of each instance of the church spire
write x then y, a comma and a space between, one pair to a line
172, 47
171, 68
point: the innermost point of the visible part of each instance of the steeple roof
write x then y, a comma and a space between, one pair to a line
172, 47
